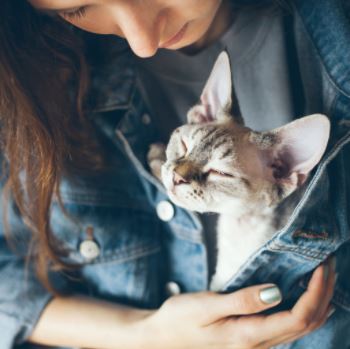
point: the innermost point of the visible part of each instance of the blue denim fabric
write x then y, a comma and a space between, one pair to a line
139, 253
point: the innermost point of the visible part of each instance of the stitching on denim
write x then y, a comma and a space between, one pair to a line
308, 234
131, 250
116, 257
319, 255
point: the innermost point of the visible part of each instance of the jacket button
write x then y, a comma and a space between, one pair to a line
89, 249
165, 211
172, 288
146, 119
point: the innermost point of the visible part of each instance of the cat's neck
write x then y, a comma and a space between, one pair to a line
255, 215
249, 218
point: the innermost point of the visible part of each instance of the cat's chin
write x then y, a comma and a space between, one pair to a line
191, 206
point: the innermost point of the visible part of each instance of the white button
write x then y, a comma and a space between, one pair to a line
146, 119
89, 249
165, 211
172, 288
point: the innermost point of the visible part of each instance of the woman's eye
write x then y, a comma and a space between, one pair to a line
220, 173
75, 14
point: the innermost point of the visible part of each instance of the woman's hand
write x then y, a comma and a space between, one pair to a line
210, 320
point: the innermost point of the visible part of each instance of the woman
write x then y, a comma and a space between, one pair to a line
81, 206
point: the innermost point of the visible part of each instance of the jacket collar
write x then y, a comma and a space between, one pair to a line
328, 24
112, 82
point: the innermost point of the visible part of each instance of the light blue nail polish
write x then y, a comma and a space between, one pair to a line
270, 295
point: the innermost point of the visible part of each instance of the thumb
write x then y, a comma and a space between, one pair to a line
249, 300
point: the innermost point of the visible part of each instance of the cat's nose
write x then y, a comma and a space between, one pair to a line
177, 179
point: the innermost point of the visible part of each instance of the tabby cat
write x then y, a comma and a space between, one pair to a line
216, 164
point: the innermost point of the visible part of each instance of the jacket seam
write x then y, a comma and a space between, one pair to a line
115, 259
311, 253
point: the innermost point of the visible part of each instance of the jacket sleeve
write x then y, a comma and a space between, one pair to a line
22, 297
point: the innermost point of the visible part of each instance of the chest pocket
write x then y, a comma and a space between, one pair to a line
112, 233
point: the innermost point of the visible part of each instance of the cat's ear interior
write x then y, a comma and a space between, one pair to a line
299, 147
216, 97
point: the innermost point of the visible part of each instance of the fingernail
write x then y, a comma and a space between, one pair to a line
270, 295
330, 312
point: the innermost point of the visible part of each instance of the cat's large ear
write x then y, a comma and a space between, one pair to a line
218, 95
294, 149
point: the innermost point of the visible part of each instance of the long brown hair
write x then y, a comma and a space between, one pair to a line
43, 129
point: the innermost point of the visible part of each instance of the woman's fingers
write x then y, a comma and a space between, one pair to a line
307, 314
313, 299
249, 300
291, 338
204, 319
331, 278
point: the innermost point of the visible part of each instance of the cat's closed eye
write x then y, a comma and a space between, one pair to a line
220, 173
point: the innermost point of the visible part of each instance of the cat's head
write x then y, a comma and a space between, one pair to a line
215, 164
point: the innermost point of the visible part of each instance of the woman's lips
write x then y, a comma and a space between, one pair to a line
176, 38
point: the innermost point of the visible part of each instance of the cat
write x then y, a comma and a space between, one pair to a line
216, 164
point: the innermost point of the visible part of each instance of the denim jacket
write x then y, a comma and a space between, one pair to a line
135, 247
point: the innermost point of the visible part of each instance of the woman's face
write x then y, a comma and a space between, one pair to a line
146, 24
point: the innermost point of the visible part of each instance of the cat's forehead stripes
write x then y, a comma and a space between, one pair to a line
210, 134
220, 142
208, 131
209, 140
204, 131
227, 153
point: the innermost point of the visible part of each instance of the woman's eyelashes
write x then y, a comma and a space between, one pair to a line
74, 14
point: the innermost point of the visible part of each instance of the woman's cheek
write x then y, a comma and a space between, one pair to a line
98, 22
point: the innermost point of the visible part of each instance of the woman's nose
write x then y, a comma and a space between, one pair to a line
142, 30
